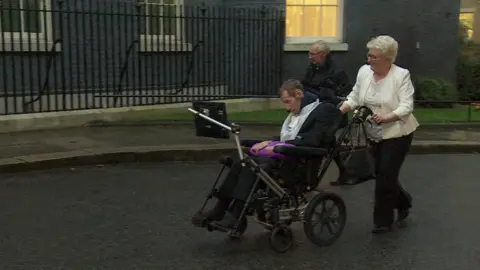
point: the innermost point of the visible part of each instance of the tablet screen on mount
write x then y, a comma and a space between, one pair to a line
216, 111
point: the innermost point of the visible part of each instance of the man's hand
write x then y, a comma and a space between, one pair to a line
269, 150
259, 146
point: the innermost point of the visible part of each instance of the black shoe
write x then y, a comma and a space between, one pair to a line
214, 214
381, 229
402, 216
228, 221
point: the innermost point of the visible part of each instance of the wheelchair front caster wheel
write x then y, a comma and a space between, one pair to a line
281, 238
242, 227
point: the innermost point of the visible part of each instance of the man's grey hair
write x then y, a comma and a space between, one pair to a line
321, 46
291, 85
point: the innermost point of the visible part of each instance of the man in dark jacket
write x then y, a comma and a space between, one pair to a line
323, 77
310, 124
326, 80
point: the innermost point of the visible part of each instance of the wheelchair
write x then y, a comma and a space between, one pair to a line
283, 201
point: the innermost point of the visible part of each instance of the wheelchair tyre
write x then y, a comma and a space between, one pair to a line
242, 227
326, 219
281, 238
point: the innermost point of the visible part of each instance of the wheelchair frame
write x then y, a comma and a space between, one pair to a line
280, 230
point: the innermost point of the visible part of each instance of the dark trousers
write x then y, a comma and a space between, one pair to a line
389, 195
240, 180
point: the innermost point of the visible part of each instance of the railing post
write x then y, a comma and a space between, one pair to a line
202, 39
62, 54
469, 117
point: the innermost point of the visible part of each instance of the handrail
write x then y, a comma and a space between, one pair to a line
123, 71
43, 87
189, 67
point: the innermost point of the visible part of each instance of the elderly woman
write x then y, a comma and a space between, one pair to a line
388, 91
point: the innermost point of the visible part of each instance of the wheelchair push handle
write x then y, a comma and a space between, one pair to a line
362, 114
234, 128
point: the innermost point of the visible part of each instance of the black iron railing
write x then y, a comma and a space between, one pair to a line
73, 55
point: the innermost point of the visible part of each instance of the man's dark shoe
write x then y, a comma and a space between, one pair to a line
381, 229
228, 221
402, 216
214, 214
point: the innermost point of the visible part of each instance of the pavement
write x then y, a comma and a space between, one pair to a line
169, 142
136, 216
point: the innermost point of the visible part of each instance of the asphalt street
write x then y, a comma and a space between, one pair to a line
137, 216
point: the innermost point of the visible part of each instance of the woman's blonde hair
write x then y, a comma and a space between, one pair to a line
387, 46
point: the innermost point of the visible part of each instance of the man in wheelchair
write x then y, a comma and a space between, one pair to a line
310, 123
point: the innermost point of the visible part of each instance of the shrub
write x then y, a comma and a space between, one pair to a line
468, 73
435, 90
468, 68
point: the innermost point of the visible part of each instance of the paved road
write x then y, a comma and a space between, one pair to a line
137, 217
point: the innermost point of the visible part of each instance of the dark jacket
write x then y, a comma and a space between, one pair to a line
320, 126
327, 81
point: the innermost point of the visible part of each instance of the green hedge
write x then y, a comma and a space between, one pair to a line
435, 90
467, 86
468, 69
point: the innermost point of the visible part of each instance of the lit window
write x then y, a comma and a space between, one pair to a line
310, 20
466, 19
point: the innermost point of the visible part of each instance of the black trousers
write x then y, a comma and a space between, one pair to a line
389, 195
240, 180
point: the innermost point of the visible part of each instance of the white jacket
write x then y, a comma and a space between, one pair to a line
397, 98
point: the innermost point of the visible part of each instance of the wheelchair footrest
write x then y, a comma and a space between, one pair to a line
202, 222
351, 182
199, 221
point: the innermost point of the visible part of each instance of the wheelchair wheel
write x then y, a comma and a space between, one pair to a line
331, 217
242, 227
281, 238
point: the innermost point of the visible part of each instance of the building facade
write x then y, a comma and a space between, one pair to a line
68, 54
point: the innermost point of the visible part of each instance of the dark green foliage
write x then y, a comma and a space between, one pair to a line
436, 91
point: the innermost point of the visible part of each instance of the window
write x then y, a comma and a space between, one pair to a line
310, 20
27, 22
160, 20
466, 19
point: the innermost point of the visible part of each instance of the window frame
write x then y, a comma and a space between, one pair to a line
304, 43
152, 42
25, 41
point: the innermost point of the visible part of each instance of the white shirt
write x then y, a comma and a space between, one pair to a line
374, 102
294, 120
293, 123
